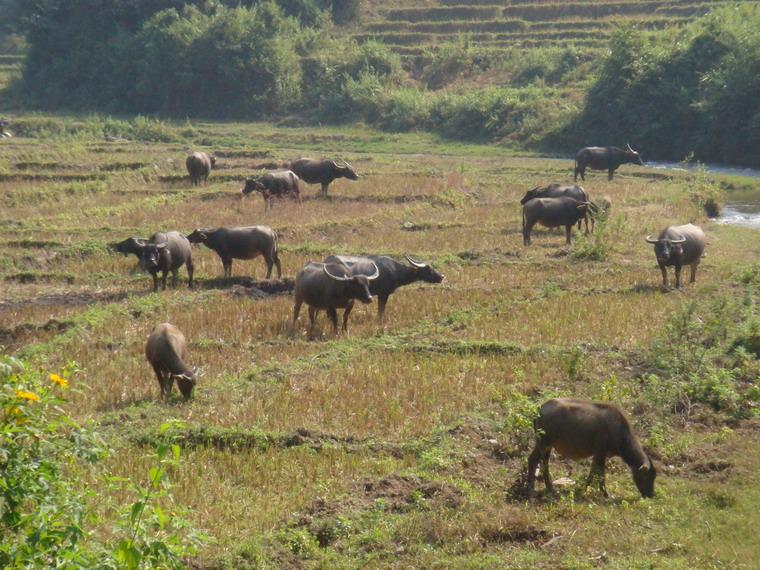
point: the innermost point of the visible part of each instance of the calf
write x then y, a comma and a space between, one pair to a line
167, 252
551, 213
240, 243
274, 184
579, 429
330, 286
165, 351
678, 246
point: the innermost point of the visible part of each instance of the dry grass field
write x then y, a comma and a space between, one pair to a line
397, 445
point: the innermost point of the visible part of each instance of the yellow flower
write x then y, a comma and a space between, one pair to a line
31, 396
62, 382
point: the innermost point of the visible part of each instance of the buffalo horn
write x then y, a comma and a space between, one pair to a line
411, 260
651, 240
336, 277
680, 240
376, 274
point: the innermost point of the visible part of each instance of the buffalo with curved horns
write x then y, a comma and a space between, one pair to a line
678, 246
322, 171
607, 158
330, 286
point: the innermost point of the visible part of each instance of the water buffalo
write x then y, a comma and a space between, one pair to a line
579, 429
240, 243
165, 350
552, 213
607, 158
679, 246
167, 252
133, 245
199, 165
330, 286
274, 184
322, 171
558, 190
392, 274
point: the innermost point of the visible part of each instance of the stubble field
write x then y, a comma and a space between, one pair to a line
397, 445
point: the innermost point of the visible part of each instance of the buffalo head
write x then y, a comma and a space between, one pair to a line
199, 235
666, 249
644, 478
186, 382
634, 156
345, 170
425, 271
129, 246
151, 255
358, 285
530, 194
252, 185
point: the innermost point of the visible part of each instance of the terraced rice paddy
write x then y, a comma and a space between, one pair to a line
394, 446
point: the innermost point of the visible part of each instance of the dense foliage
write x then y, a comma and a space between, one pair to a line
47, 518
692, 93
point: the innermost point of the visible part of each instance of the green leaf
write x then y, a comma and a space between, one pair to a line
137, 508
128, 555
176, 451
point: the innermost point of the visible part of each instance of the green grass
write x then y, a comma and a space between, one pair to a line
396, 445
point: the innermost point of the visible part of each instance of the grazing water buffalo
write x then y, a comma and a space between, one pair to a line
330, 286
167, 252
557, 191
165, 350
607, 158
240, 243
552, 213
274, 184
392, 274
133, 245
679, 246
579, 429
199, 165
322, 171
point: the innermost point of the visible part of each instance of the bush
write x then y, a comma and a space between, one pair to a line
46, 520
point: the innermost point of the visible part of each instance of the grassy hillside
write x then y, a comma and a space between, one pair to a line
399, 444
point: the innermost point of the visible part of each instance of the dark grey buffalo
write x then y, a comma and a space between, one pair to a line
167, 252
165, 350
330, 286
199, 165
278, 183
392, 274
322, 171
558, 190
240, 243
552, 213
678, 246
132, 245
607, 158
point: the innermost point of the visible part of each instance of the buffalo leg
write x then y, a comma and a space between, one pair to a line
381, 301
678, 276
324, 188
526, 233
533, 459
332, 313
545, 469
297, 309
664, 271
312, 317
227, 264
693, 277
270, 263
610, 173
164, 275
190, 271
276, 258
157, 368
155, 281
568, 232
349, 306
175, 277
